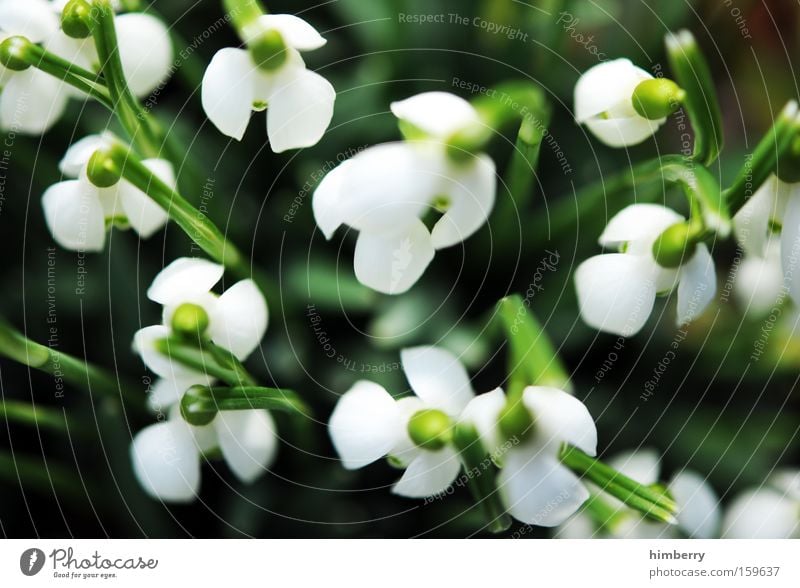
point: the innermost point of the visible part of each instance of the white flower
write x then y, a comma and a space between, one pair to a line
384, 190
603, 102
31, 101
536, 487
771, 511
299, 102
759, 284
77, 212
237, 318
617, 291
167, 455
368, 424
775, 204
698, 515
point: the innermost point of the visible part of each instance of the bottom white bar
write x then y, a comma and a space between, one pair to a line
400, 563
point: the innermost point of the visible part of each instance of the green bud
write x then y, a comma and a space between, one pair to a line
14, 53
268, 50
657, 98
430, 429
674, 246
76, 19
464, 144
190, 320
102, 170
516, 421
191, 401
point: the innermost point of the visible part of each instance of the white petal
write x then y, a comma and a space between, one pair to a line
31, 102
240, 319
296, 32
759, 282
430, 473
438, 378
606, 85
327, 200
560, 417
642, 465
405, 450
616, 292
538, 490
471, 188
787, 481
697, 286
144, 215
579, 526
638, 222
79, 153
761, 514
34, 19
184, 277
393, 263
790, 247
751, 223
439, 114
483, 412
248, 441
144, 344
699, 514
75, 216
145, 49
623, 132
166, 462
227, 91
81, 52
300, 109
166, 392
365, 425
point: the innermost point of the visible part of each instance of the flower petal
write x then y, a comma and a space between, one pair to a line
560, 417
365, 425
31, 102
616, 292
248, 441
439, 114
184, 277
761, 514
699, 515
300, 109
405, 450
642, 465
483, 411
144, 344
790, 247
34, 19
240, 319
751, 225
144, 215
638, 222
296, 32
393, 263
166, 461
438, 377
327, 200
79, 153
538, 490
167, 392
698, 285
145, 49
623, 132
75, 216
227, 91
471, 188
787, 481
430, 473
759, 281
605, 86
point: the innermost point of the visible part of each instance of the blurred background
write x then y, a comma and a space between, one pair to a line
711, 406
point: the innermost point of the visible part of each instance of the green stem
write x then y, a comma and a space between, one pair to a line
209, 401
27, 413
197, 359
243, 12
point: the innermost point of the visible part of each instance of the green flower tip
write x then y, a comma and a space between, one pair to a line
268, 50
190, 320
516, 421
430, 429
102, 170
76, 19
657, 98
464, 144
190, 407
14, 53
674, 246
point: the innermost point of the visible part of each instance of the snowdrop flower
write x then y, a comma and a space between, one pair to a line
698, 517
299, 102
167, 455
613, 97
31, 101
536, 487
771, 511
236, 320
617, 291
78, 212
383, 191
368, 423
759, 284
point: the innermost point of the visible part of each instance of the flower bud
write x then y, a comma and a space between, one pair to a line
674, 246
190, 320
788, 168
76, 19
102, 170
516, 421
268, 50
192, 407
13, 53
430, 429
657, 98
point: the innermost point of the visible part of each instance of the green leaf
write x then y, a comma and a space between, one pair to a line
210, 400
